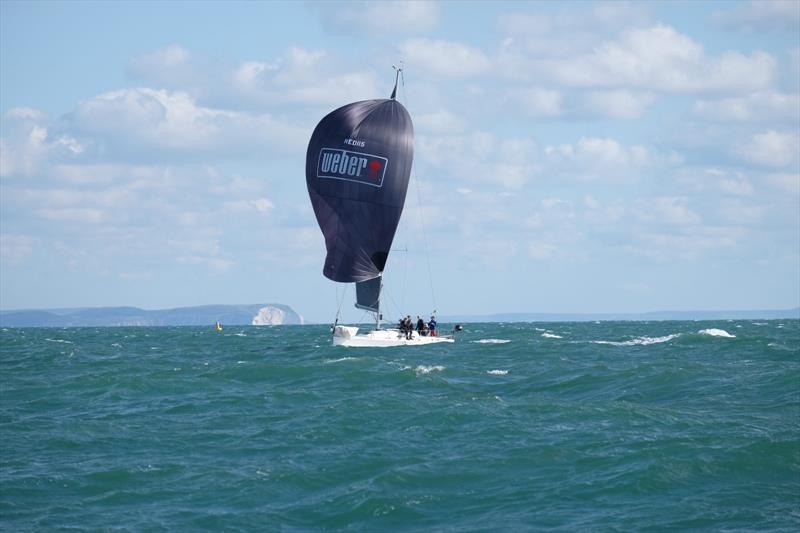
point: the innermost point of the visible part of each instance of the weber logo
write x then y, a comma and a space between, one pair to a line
351, 166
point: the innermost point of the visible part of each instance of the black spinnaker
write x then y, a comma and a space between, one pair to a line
357, 170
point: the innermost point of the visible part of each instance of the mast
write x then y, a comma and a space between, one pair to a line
398, 71
378, 313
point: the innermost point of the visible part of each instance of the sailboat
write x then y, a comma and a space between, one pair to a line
358, 165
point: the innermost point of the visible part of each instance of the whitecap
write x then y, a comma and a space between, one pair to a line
422, 369
60, 340
640, 341
497, 372
713, 332
339, 360
551, 336
239, 335
492, 341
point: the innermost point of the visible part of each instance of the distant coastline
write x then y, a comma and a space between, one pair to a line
281, 314
234, 315
762, 314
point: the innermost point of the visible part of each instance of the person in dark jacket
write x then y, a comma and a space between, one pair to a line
432, 326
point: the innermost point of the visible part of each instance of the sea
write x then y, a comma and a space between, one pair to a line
593, 426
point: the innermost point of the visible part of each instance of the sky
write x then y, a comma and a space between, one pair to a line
580, 157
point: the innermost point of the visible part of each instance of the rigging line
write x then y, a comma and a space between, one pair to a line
405, 278
387, 294
341, 301
419, 207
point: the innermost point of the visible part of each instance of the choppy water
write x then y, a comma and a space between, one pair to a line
573, 426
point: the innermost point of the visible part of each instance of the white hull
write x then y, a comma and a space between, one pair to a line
348, 336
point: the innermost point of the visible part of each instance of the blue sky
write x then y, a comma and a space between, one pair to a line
570, 157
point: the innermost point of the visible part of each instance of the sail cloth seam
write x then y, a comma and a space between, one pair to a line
419, 206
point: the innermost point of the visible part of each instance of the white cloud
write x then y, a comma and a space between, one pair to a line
618, 103
439, 121
29, 144
444, 58
739, 186
14, 248
170, 57
731, 182
662, 59
538, 102
380, 18
667, 246
262, 205
597, 158
792, 71
259, 205
672, 211
569, 31
541, 250
761, 106
139, 122
738, 213
83, 215
481, 157
772, 148
299, 76
789, 183
202, 252
762, 15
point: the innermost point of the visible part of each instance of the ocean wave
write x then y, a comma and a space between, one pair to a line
497, 372
60, 340
640, 341
713, 332
548, 335
492, 341
326, 361
423, 369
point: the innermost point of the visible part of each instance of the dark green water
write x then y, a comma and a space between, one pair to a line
614, 426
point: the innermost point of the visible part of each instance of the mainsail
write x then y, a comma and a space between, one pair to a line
357, 170
368, 294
